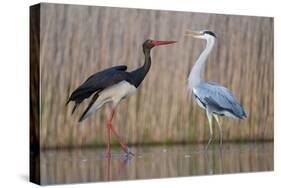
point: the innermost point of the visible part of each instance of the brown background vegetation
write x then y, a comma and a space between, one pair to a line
77, 41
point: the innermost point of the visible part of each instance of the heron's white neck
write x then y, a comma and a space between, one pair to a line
196, 74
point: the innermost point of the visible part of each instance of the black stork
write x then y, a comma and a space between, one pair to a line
111, 86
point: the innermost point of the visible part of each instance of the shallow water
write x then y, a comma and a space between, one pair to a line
90, 165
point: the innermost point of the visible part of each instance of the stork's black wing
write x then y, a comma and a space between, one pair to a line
99, 81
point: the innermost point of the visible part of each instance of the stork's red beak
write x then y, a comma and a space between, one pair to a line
159, 42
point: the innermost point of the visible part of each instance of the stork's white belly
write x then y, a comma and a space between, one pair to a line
118, 91
113, 94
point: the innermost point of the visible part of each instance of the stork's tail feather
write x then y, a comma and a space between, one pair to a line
87, 112
83, 116
74, 108
67, 102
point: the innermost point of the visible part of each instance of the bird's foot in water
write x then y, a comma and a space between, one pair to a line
128, 155
209, 142
127, 151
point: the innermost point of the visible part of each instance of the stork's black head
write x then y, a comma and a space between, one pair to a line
148, 44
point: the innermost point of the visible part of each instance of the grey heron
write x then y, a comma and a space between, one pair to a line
111, 86
215, 98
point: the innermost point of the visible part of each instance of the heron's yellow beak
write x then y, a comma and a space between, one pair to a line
190, 33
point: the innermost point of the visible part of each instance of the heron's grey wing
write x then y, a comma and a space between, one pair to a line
218, 97
99, 81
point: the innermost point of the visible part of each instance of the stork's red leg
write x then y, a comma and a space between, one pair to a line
108, 150
123, 146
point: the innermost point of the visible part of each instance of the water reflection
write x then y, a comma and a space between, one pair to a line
90, 165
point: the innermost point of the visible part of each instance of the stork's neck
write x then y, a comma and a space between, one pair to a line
196, 75
147, 61
140, 73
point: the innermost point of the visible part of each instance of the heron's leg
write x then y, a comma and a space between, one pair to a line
124, 147
220, 127
210, 119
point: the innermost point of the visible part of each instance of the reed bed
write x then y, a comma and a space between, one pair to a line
77, 41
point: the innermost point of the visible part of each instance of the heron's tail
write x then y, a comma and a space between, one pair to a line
244, 115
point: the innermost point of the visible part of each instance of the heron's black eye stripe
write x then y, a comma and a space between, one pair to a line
210, 33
